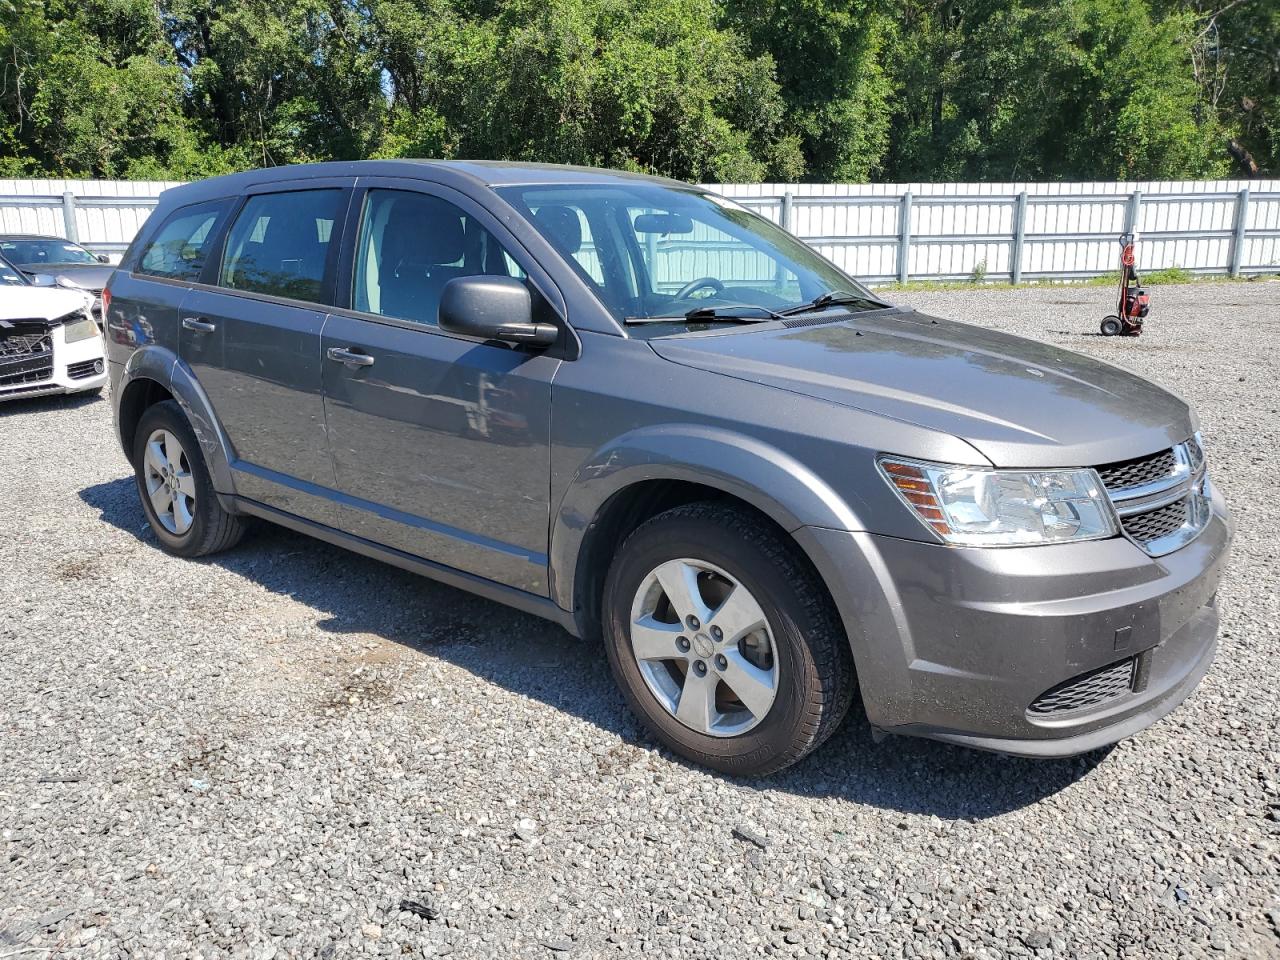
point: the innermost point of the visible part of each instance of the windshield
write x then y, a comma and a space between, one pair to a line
11, 276
30, 253
654, 252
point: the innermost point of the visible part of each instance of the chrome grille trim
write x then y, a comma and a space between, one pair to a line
1148, 508
1177, 477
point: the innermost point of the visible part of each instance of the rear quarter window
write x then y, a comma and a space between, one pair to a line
180, 247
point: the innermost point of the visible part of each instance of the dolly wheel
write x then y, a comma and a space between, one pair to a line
1112, 327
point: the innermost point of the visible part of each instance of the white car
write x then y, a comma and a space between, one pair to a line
49, 342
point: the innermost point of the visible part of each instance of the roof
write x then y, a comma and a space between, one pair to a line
36, 236
493, 173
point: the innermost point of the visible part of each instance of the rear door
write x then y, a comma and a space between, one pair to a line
148, 298
440, 442
252, 331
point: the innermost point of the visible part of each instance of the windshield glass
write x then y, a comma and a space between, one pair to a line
32, 252
10, 276
653, 252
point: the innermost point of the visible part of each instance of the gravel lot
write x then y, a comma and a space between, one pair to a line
291, 751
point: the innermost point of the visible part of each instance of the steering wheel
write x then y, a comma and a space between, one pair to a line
688, 289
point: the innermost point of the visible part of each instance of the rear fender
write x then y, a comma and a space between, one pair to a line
154, 362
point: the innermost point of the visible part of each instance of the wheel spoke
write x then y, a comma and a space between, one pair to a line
653, 640
739, 615
173, 451
181, 514
680, 583
697, 707
187, 484
753, 686
161, 501
155, 458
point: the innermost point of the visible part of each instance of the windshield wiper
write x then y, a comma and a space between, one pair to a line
832, 298
710, 314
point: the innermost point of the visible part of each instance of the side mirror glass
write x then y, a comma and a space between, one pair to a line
493, 308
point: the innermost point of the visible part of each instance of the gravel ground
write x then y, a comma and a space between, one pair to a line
293, 751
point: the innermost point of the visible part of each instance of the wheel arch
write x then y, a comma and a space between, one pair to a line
154, 374
644, 473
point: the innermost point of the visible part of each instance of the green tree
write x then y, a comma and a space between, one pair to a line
829, 56
1083, 89
105, 102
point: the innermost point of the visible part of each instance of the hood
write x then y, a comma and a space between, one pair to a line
1019, 402
39, 303
91, 276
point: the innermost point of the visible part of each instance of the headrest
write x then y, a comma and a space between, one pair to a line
422, 229
562, 226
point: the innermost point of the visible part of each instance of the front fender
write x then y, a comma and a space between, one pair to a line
769, 479
162, 365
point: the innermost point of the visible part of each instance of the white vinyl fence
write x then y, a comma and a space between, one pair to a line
1024, 231
101, 214
877, 232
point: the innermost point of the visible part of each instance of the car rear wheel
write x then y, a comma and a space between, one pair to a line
724, 641
176, 490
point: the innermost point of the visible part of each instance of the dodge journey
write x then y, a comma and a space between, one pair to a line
642, 411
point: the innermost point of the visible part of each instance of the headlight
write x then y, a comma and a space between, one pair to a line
79, 328
971, 506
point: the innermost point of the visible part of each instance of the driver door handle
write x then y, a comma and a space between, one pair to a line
198, 324
350, 357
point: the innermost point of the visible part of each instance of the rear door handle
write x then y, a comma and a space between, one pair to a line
199, 324
350, 357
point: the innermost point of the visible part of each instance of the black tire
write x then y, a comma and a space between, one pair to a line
212, 529
815, 676
1112, 327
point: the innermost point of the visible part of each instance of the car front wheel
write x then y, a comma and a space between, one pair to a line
724, 641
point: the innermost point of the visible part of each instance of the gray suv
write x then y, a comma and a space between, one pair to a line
642, 411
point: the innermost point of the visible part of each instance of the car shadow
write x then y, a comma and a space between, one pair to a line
61, 401
538, 659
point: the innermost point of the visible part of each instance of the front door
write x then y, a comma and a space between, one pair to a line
440, 443
253, 335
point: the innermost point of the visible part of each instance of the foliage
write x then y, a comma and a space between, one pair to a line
697, 89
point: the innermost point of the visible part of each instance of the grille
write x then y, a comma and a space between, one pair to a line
1140, 470
32, 370
24, 344
26, 355
1157, 523
85, 368
1086, 690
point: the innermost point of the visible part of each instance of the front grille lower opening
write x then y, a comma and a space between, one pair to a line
1087, 690
1157, 523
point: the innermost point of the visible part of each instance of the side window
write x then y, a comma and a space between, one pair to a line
280, 242
410, 245
180, 246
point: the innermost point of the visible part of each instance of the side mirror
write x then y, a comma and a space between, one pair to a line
493, 308
103, 258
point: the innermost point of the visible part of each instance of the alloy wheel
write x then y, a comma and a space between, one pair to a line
704, 647
170, 485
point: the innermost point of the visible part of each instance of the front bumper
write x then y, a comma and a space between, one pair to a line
75, 367
957, 644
